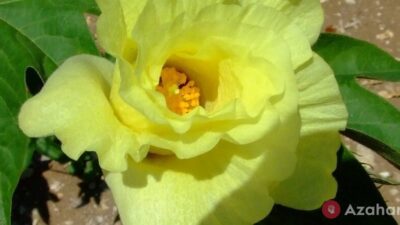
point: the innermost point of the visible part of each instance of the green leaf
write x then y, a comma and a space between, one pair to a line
51, 148
372, 120
14, 153
38, 34
355, 188
56, 27
351, 58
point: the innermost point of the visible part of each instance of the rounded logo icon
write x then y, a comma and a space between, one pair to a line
331, 209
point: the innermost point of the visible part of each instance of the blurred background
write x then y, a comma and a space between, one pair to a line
64, 193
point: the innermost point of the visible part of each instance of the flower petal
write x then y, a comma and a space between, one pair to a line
228, 185
306, 14
186, 27
200, 139
322, 114
321, 105
269, 18
115, 25
312, 182
248, 53
74, 106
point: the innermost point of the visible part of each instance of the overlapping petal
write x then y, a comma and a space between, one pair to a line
205, 132
305, 14
218, 56
322, 114
321, 105
111, 27
114, 26
74, 106
228, 185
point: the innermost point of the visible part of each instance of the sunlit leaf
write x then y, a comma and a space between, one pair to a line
372, 120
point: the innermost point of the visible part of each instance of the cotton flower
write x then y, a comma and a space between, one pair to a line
213, 111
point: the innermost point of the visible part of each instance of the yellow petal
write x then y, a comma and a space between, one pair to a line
312, 182
74, 106
308, 16
115, 24
321, 105
305, 14
192, 136
249, 27
277, 21
111, 27
219, 54
157, 13
323, 114
228, 185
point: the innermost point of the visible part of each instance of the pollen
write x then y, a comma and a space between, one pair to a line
181, 94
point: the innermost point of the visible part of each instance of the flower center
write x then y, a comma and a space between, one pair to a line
181, 94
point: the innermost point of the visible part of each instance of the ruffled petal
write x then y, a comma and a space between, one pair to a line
209, 47
186, 27
199, 138
74, 106
115, 25
269, 18
228, 185
111, 27
321, 105
308, 16
157, 13
305, 14
323, 114
131, 11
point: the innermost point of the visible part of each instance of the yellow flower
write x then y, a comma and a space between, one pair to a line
214, 110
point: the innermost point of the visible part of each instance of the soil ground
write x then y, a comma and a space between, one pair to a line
51, 196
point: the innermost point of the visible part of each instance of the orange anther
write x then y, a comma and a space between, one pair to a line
181, 94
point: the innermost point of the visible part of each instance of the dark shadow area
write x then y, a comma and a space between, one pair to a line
86, 168
33, 80
355, 189
117, 219
92, 185
32, 193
